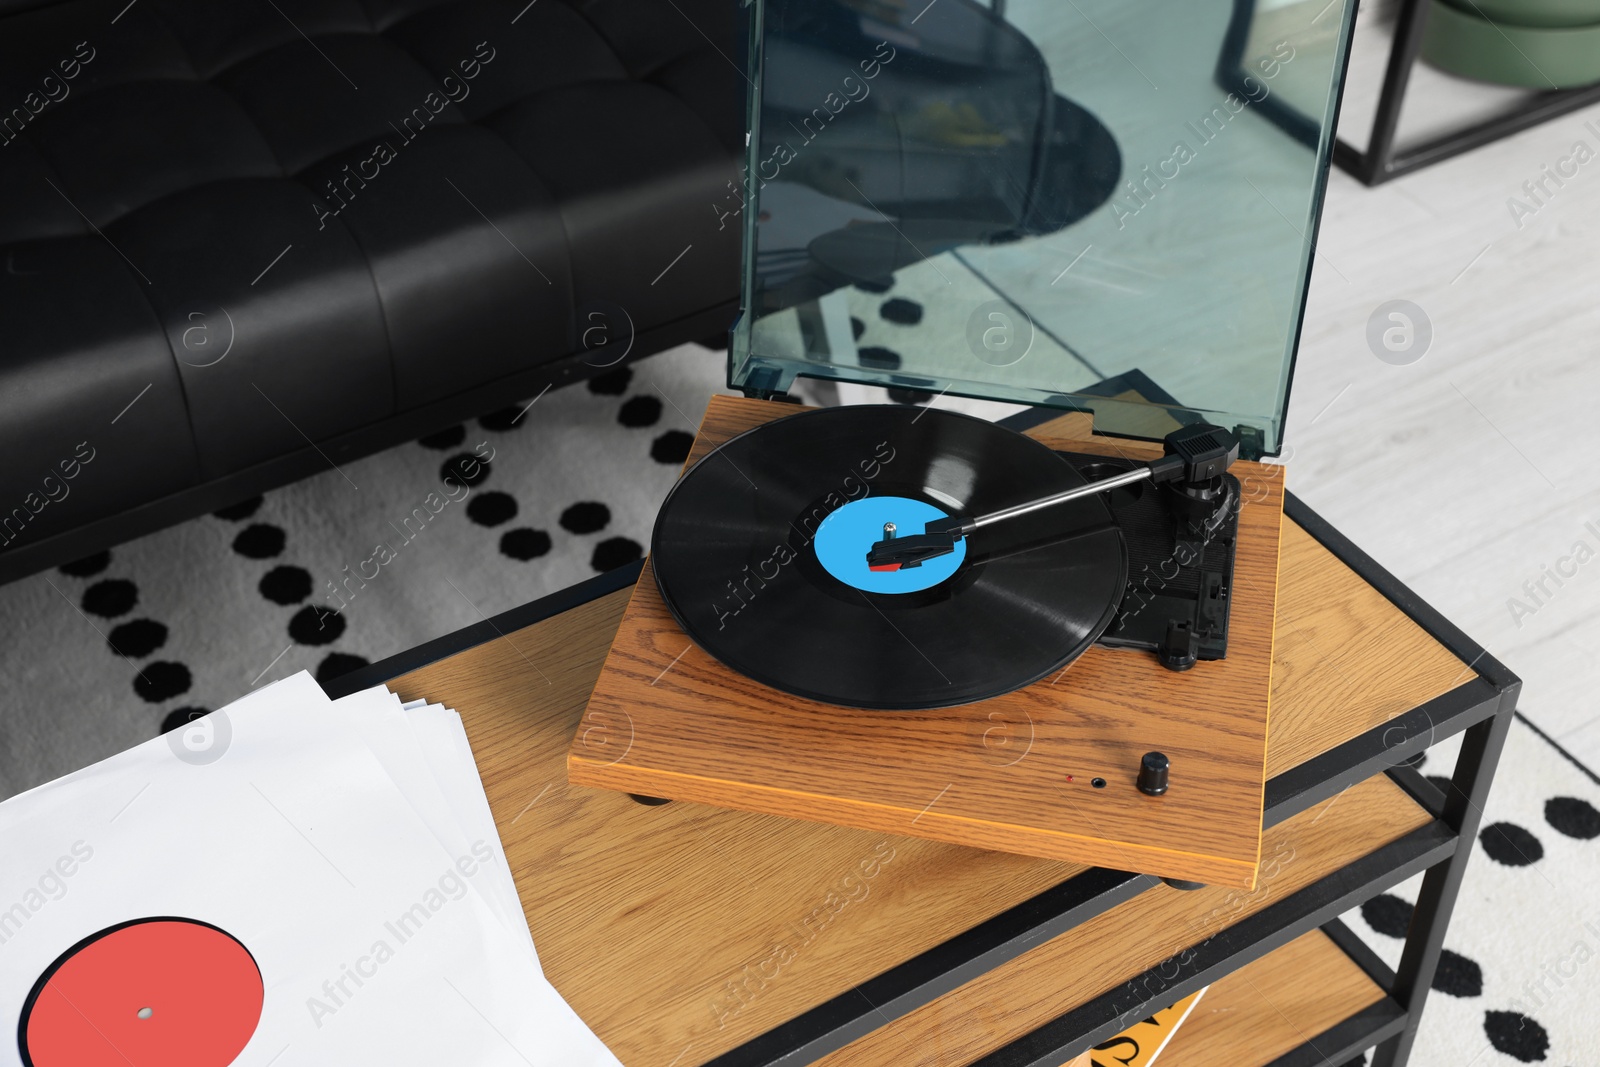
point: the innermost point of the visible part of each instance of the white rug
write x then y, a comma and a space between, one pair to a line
357, 564
203, 612
1519, 977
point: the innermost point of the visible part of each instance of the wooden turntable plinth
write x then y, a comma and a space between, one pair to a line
1045, 771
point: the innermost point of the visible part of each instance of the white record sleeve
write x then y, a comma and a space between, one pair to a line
288, 834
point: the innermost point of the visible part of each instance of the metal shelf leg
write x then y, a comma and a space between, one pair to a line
1463, 811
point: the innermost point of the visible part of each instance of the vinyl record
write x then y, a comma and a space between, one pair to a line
760, 554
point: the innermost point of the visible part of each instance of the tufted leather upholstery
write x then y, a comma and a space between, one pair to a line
365, 204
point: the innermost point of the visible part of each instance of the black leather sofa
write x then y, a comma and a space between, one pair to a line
243, 241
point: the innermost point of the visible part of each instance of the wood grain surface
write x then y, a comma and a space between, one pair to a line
1119, 946
680, 932
1013, 773
1272, 1005
1347, 658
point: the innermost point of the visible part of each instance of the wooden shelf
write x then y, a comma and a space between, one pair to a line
1273, 1005
1346, 658
681, 932
1124, 943
664, 927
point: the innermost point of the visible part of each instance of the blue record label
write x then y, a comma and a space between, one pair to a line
846, 535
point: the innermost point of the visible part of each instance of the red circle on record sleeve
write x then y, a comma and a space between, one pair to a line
150, 993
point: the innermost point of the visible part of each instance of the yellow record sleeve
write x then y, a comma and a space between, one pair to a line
1141, 1043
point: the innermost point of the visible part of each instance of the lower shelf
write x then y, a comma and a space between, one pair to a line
1091, 981
1266, 1009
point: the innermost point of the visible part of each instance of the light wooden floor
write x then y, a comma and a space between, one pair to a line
1472, 470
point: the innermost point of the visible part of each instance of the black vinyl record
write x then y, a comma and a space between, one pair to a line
737, 555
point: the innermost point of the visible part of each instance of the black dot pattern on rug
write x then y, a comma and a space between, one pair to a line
316, 625
879, 358
1516, 1035
1441, 781
614, 552
1415, 761
465, 469
524, 544
1387, 914
286, 585
137, 639
259, 540
492, 508
671, 447
901, 312
161, 681
1458, 976
1573, 817
335, 664
585, 517
181, 717
449, 437
88, 565
1510, 844
875, 285
640, 411
110, 598
503, 420
612, 382
240, 511
857, 328
909, 396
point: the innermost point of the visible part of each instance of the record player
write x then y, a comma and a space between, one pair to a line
900, 616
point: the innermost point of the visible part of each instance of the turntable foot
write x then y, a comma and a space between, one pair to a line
1178, 883
1181, 648
649, 802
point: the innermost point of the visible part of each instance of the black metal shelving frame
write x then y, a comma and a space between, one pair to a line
1481, 708
1383, 161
